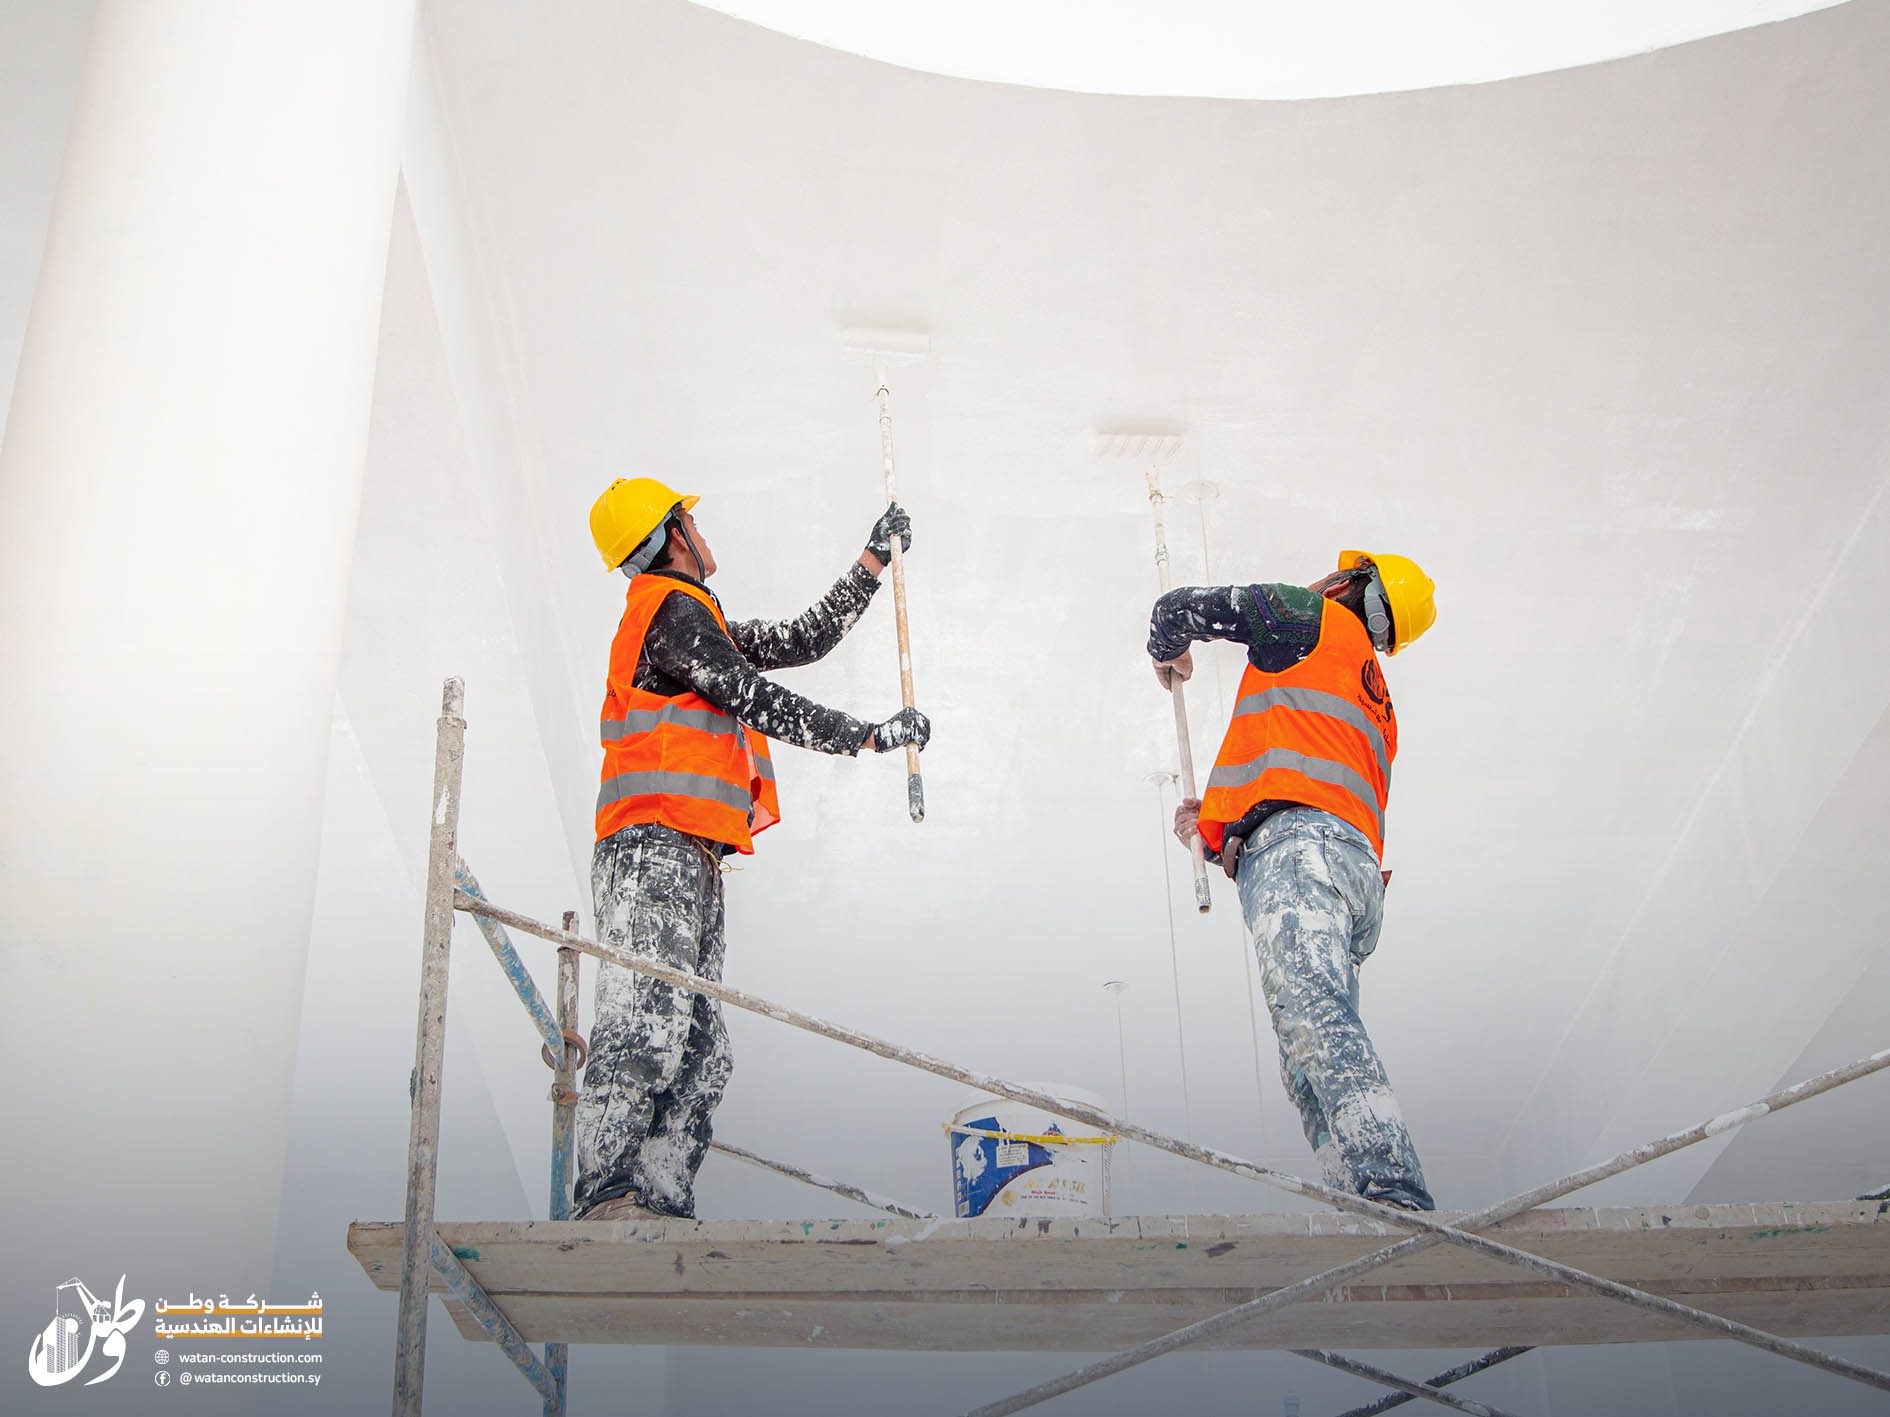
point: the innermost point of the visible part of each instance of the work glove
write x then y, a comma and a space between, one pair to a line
1180, 669
892, 522
906, 726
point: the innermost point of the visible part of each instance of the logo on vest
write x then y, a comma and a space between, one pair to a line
1377, 697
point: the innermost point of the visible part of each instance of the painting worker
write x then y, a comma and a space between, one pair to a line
1295, 814
687, 779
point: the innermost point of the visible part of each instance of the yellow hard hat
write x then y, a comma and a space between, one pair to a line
630, 509
1411, 595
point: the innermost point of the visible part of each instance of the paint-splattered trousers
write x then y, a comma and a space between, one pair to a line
1314, 899
660, 1057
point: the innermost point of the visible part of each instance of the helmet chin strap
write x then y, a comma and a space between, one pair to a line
694, 550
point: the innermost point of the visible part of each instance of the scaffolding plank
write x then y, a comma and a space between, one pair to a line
1800, 1269
1095, 1323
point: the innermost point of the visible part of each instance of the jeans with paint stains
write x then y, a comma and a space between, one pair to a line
1314, 899
660, 1057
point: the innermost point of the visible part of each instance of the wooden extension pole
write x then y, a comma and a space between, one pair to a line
915, 786
1204, 902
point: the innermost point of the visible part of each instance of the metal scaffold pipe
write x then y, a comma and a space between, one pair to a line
1318, 1285
467, 1290
825, 1183
1433, 1230
1410, 1390
513, 967
422, 1253
423, 1138
563, 1135
1444, 1379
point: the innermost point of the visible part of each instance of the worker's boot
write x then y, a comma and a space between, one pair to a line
620, 1208
1400, 1198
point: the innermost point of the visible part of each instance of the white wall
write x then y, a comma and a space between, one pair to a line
42, 49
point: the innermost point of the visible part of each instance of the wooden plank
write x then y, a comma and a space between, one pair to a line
1089, 1322
1803, 1269
695, 1257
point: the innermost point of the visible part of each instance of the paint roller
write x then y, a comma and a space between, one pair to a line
1154, 446
887, 347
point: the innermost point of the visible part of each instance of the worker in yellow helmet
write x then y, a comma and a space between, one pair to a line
687, 779
1294, 812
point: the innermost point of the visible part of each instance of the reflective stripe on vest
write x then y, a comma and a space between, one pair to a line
676, 784
1332, 706
611, 730
1318, 769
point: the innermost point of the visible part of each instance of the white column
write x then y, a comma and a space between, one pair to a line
178, 492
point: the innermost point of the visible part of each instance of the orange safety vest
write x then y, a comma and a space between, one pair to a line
677, 759
1321, 734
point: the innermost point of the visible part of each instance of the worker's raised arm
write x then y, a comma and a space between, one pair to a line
811, 635
1267, 619
1189, 613
685, 643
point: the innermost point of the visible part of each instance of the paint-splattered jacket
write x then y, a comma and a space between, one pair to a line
1278, 624
685, 649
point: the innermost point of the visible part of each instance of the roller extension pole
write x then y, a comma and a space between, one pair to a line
1196, 848
915, 786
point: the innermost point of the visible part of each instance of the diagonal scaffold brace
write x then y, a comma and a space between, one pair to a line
549, 1376
1430, 1230
1318, 1285
1444, 1379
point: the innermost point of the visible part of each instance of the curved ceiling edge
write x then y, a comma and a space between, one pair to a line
1225, 49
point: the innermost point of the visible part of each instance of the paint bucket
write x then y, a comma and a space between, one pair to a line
1013, 1159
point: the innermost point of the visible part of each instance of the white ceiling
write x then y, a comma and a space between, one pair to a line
1228, 49
1600, 347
